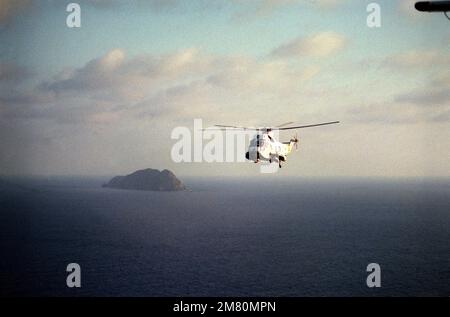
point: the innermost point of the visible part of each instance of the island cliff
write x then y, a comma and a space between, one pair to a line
147, 179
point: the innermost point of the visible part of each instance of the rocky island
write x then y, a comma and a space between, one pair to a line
147, 179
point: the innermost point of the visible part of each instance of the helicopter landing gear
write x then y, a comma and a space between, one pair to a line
276, 159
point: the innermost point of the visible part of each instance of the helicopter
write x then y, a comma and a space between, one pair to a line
265, 147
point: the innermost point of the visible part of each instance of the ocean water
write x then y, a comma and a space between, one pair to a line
226, 238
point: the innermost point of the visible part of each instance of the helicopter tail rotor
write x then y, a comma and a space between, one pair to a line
296, 142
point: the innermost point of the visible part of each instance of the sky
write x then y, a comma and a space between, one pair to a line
104, 98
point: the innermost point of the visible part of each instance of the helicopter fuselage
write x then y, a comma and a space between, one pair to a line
266, 148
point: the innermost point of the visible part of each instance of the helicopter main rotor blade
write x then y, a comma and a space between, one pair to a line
282, 125
233, 129
309, 125
246, 128
225, 127
228, 126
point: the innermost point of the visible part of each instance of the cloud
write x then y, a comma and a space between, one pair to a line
406, 8
156, 5
11, 73
436, 93
28, 104
434, 90
433, 97
190, 83
245, 74
265, 7
10, 8
414, 59
168, 84
12, 76
269, 7
429, 102
386, 113
318, 45
327, 4
101, 4
113, 76
161, 5
95, 75
187, 83
427, 98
